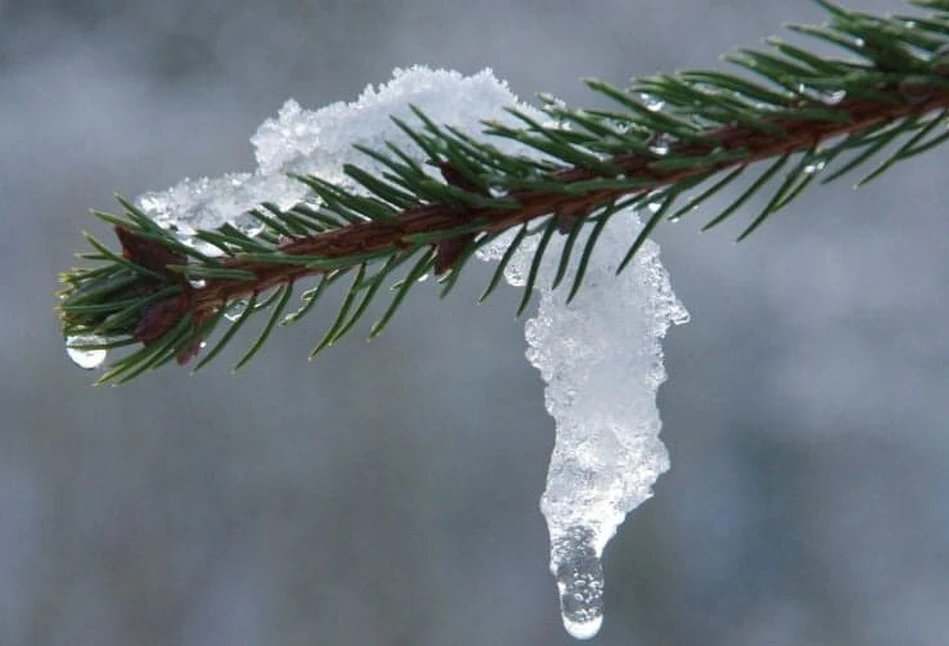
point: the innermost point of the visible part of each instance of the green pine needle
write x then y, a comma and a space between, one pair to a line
885, 90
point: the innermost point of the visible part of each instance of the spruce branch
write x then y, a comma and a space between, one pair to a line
671, 142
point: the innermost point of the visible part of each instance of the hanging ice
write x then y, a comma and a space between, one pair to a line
602, 360
600, 355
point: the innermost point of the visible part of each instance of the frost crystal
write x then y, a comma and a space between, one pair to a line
602, 360
600, 355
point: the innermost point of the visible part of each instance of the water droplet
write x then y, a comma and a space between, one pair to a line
580, 583
198, 283
833, 98
816, 167
829, 98
660, 147
235, 309
85, 357
652, 103
422, 278
581, 596
497, 191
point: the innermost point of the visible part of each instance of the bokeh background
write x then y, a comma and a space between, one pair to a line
387, 494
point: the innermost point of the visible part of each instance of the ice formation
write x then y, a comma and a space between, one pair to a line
601, 358
600, 355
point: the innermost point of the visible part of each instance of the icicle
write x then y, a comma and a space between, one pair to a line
601, 357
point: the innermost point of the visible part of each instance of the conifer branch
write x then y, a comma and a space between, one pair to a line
673, 138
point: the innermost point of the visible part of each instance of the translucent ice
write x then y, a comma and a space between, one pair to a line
602, 360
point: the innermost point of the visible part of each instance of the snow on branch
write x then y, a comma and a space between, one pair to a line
599, 354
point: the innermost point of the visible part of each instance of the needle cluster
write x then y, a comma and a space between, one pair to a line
785, 118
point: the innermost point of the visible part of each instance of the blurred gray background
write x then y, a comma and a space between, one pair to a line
387, 494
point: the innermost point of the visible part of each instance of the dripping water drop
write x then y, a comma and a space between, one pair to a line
576, 564
816, 167
497, 191
235, 309
828, 97
660, 147
79, 351
833, 98
652, 103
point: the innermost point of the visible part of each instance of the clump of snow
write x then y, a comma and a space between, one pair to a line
600, 354
320, 142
